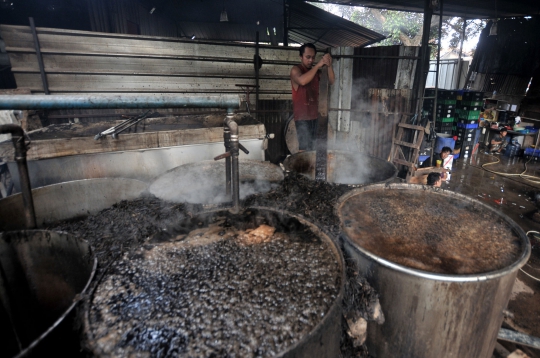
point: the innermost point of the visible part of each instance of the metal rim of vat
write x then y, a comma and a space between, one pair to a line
275, 168
76, 299
519, 262
333, 311
288, 161
70, 199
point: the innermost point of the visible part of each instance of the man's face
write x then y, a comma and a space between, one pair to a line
308, 57
438, 183
444, 155
503, 133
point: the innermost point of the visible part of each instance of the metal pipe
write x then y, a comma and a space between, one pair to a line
233, 127
39, 57
17, 134
257, 65
227, 141
155, 100
460, 62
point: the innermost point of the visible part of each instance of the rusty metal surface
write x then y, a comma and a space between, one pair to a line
69, 200
44, 274
204, 182
459, 314
353, 168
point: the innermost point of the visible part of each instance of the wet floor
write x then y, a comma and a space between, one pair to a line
509, 185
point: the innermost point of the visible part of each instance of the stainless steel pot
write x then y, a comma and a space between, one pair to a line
44, 275
322, 341
430, 312
352, 168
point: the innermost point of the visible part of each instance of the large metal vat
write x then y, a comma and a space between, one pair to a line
69, 200
204, 182
353, 168
142, 164
443, 264
43, 276
206, 297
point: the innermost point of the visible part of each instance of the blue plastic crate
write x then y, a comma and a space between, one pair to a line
532, 152
467, 126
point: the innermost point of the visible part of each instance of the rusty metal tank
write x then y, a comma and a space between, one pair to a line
44, 275
204, 182
444, 265
258, 283
352, 168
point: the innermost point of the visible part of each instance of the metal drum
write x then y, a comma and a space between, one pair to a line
69, 200
204, 182
258, 283
444, 265
352, 168
43, 276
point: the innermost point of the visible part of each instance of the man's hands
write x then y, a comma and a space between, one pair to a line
325, 60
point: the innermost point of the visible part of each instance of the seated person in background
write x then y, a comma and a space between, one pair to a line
434, 179
499, 142
445, 152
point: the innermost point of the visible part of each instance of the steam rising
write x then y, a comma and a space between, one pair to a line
352, 168
204, 182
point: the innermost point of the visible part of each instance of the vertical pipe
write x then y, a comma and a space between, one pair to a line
235, 175
227, 140
437, 77
39, 58
257, 65
20, 156
460, 61
285, 23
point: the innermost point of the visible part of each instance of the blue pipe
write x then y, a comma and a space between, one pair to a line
116, 101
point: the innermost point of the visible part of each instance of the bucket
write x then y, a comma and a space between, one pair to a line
343, 167
442, 289
227, 286
444, 140
44, 275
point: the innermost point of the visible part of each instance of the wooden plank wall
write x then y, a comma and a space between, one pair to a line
93, 62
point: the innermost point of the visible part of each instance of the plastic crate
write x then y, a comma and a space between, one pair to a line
467, 126
466, 114
532, 152
478, 103
445, 120
467, 121
472, 96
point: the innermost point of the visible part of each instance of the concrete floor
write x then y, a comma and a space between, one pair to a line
514, 196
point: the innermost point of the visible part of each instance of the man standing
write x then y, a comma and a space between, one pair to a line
305, 94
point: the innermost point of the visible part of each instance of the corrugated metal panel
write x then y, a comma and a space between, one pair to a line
376, 72
382, 110
503, 84
308, 23
80, 61
111, 16
448, 72
477, 9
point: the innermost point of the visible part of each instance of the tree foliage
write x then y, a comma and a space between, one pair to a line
405, 28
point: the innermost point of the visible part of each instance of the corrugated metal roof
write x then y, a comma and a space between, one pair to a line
307, 23
476, 9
